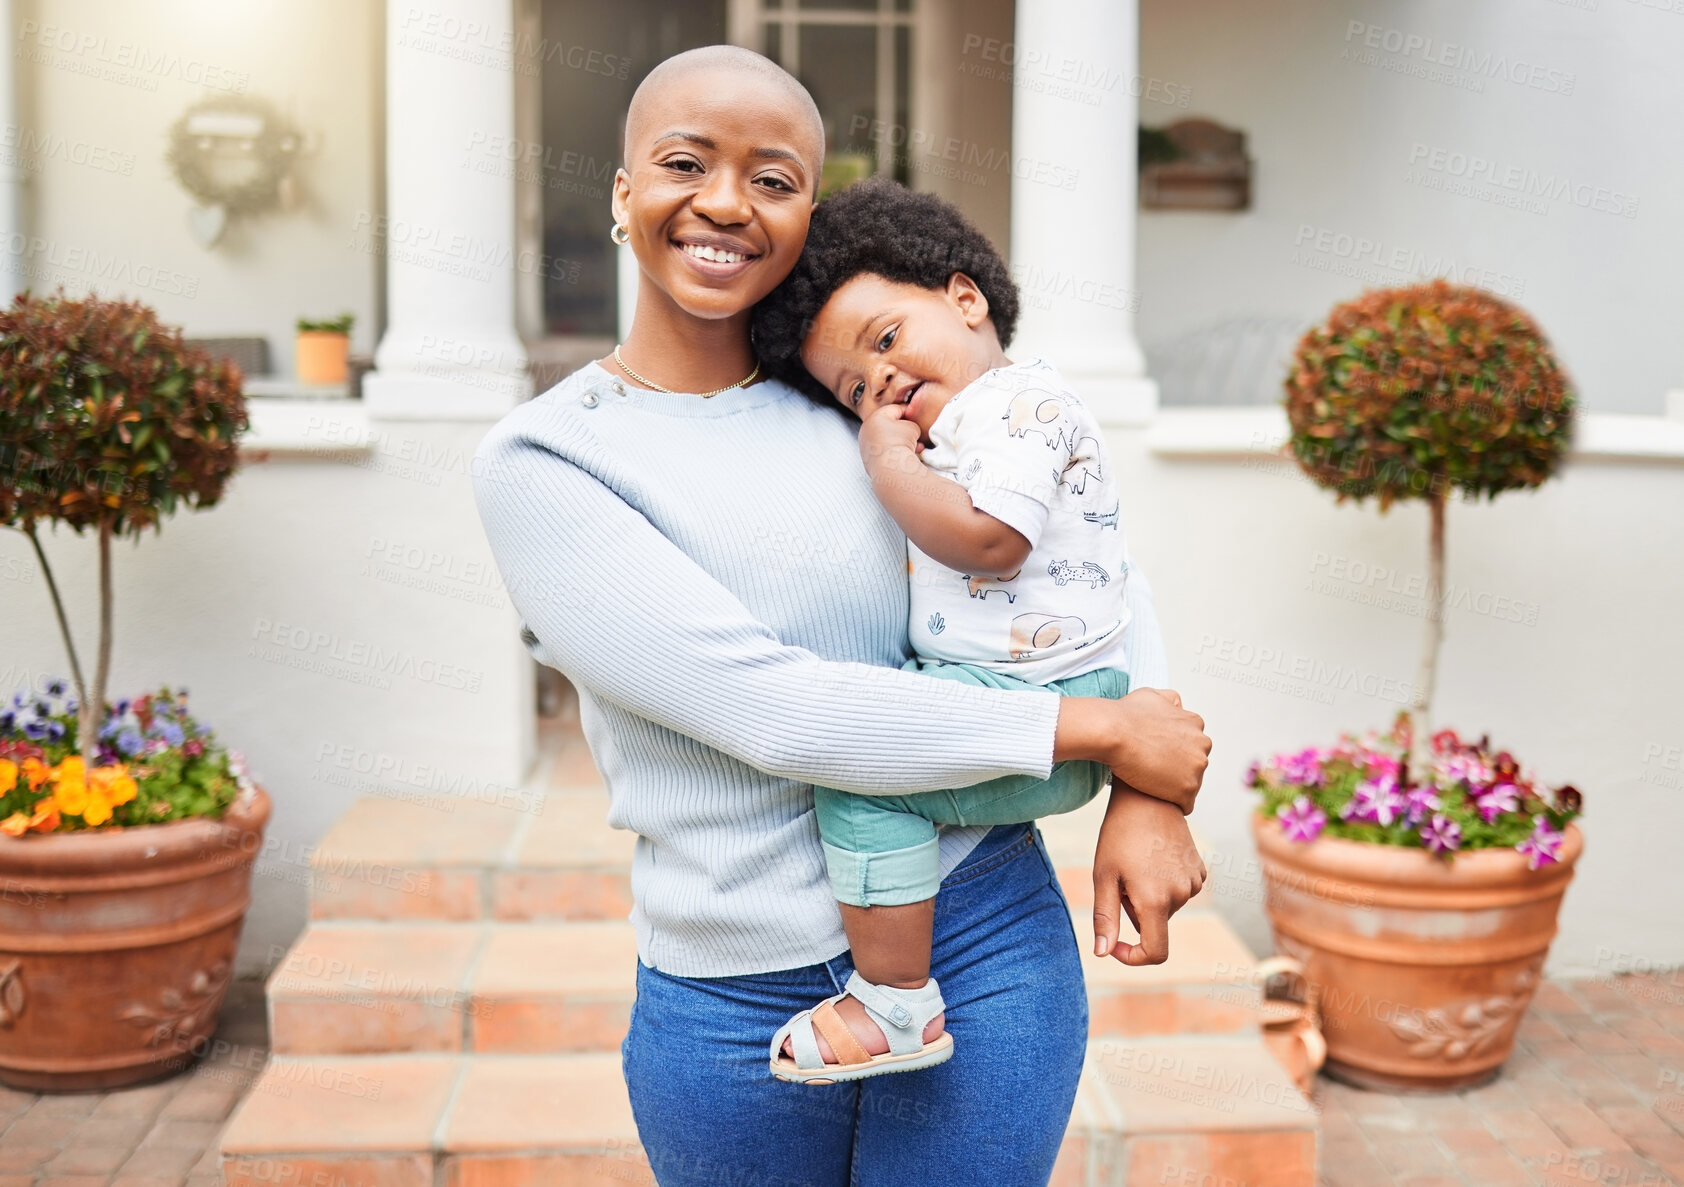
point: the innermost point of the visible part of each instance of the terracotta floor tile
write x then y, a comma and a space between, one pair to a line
563, 1103
573, 831
343, 1103
16, 1156
87, 1160
162, 1162
407, 834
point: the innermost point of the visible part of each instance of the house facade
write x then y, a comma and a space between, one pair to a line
338, 618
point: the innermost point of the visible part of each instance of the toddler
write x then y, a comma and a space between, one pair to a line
997, 473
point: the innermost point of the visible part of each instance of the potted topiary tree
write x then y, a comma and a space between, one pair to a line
127, 834
1425, 960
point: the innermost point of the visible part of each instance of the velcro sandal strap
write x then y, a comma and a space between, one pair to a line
902, 1014
835, 1031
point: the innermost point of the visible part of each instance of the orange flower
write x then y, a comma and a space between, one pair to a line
71, 796
8, 775
97, 811
113, 783
46, 817
15, 824
37, 772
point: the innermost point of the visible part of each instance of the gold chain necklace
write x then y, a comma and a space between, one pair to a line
743, 382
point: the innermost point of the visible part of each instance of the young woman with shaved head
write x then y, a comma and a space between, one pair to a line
699, 549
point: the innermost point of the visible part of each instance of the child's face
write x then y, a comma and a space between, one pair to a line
879, 341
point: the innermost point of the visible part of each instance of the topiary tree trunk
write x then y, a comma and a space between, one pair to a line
1414, 392
107, 421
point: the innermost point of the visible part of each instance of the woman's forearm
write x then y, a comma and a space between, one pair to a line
1147, 739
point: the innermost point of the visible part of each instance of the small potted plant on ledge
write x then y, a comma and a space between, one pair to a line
127, 834
323, 350
1416, 875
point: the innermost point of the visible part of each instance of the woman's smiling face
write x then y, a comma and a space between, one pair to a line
721, 172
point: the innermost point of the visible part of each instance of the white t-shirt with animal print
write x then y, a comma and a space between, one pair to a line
1030, 454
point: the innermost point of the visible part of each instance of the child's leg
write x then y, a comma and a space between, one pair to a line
884, 864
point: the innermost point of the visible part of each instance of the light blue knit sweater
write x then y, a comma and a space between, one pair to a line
717, 579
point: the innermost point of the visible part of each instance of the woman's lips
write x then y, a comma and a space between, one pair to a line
726, 264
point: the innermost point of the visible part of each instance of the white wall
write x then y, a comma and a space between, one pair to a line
376, 558
329, 618
1343, 145
1245, 555
84, 88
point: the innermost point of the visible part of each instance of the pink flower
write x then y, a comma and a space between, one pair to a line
1460, 768
1301, 820
1446, 739
1419, 800
1376, 801
1302, 769
1497, 799
1441, 834
1543, 847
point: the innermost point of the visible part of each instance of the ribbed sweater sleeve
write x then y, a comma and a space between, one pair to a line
614, 604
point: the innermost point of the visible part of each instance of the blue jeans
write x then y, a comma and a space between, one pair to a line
881, 850
709, 1111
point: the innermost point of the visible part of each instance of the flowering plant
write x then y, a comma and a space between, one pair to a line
1467, 798
152, 763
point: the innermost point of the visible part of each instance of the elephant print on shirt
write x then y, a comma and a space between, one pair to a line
1037, 632
1038, 411
1083, 465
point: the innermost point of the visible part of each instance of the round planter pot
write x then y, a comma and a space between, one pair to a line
116, 946
322, 356
1425, 967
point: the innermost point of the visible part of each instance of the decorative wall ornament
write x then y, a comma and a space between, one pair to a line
235, 154
1194, 164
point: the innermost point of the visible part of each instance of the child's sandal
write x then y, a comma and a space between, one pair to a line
902, 1015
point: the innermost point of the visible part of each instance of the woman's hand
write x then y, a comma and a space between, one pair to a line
1146, 866
1147, 739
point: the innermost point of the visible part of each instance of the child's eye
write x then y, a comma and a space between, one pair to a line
887, 340
855, 395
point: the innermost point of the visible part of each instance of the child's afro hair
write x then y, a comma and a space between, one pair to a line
881, 227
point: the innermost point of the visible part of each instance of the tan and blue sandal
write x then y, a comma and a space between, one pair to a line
902, 1015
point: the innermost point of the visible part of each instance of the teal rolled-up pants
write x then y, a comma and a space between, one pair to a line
881, 850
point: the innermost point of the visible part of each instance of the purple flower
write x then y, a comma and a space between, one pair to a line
1543, 847
170, 732
1301, 820
1418, 801
1302, 769
1497, 799
1441, 834
1465, 768
1376, 802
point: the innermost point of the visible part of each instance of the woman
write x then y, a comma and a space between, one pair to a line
702, 554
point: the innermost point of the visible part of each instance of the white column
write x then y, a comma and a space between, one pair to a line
12, 177
450, 351
1074, 121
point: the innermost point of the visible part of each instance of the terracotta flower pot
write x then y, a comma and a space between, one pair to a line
322, 356
1425, 967
116, 946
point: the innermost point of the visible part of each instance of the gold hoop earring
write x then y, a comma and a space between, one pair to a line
620, 234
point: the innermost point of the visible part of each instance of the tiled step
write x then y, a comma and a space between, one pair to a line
1215, 1107
362, 986
546, 853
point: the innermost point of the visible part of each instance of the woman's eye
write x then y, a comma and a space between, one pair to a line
887, 340
684, 165
777, 183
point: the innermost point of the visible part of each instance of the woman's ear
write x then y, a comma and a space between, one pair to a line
620, 203
968, 299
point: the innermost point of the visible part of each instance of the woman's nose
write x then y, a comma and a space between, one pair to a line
721, 200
